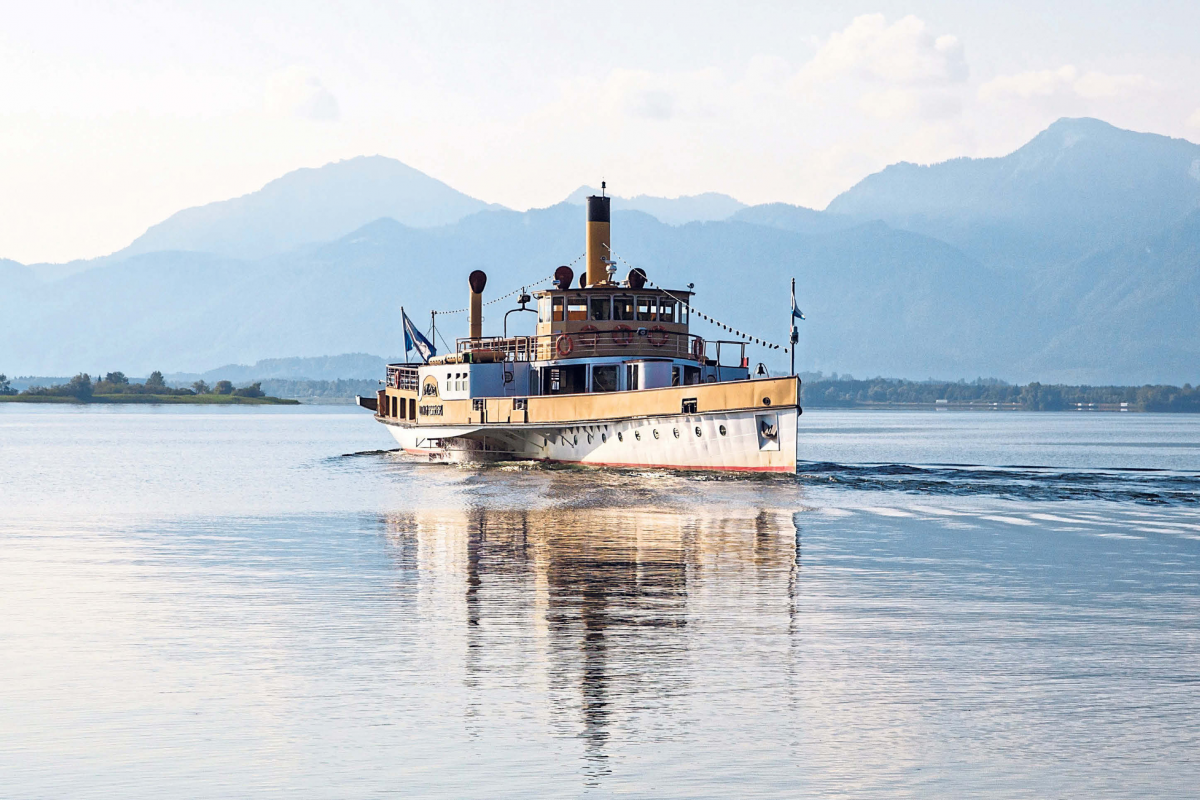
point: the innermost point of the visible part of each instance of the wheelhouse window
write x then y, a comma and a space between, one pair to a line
559, 308
683, 313
576, 309
604, 377
601, 307
645, 309
666, 310
543, 309
623, 308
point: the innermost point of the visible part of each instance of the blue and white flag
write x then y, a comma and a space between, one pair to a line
796, 312
413, 340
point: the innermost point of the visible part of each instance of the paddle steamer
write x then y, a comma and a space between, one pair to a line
613, 377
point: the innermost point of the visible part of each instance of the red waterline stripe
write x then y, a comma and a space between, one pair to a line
667, 466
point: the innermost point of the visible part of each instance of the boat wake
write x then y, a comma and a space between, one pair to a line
1150, 487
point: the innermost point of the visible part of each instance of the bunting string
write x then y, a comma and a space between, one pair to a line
758, 340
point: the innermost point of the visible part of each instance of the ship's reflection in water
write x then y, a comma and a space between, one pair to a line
605, 608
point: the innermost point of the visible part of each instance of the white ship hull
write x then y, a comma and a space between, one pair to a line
756, 440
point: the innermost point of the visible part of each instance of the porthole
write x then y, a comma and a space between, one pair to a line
620, 436
697, 431
676, 432
603, 438
722, 430
766, 401
589, 438
637, 435
656, 433
575, 439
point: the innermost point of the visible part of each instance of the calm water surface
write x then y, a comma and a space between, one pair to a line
258, 602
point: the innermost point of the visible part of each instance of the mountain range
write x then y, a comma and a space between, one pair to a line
1074, 259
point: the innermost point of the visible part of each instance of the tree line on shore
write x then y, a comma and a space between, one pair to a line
82, 387
846, 392
817, 391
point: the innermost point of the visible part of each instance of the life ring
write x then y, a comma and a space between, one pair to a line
698, 348
658, 336
622, 335
588, 335
564, 345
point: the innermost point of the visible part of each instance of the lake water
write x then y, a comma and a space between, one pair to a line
236, 602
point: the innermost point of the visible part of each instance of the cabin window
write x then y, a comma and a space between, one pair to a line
576, 309
666, 311
559, 306
675, 377
683, 313
604, 378
600, 308
631, 376
543, 309
623, 308
412, 408
645, 309
691, 375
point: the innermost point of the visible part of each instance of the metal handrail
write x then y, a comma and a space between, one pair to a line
602, 343
402, 377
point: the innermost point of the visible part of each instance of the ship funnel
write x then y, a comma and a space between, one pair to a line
477, 280
598, 241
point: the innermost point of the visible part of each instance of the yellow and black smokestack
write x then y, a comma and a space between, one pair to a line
598, 241
477, 280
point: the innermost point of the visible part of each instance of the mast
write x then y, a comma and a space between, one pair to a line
795, 335
404, 318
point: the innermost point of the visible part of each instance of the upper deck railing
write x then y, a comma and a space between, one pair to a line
620, 342
402, 376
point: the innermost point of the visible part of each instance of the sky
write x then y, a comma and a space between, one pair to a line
115, 115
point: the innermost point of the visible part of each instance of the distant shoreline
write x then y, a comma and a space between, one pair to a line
1098, 408
152, 399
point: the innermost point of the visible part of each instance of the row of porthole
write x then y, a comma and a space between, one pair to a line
638, 434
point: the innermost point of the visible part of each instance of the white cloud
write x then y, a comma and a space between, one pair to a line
1194, 120
296, 92
643, 95
904, 52
1064, 81
1098, 84
894, 103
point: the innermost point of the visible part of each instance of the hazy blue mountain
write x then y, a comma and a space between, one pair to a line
706, 207
1080, 186
307, 206
319, 368
15, 274
1135, 310
796, 218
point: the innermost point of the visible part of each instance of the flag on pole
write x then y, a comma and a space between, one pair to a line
413, 340
796, 312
